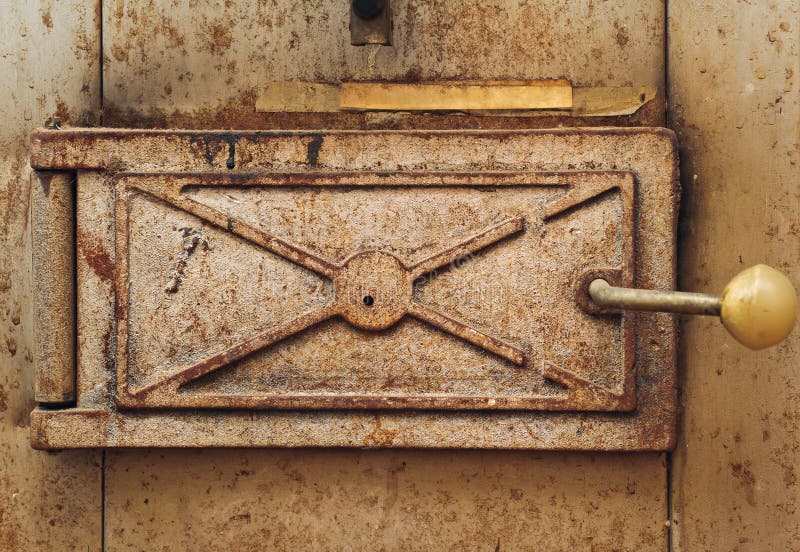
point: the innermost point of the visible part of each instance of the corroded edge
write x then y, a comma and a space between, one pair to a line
650, 427
95, 428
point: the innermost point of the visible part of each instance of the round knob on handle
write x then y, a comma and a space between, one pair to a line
759, 307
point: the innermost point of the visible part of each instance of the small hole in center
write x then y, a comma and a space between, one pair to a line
369, 300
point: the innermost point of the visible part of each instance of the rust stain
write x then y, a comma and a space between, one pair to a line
380, 436
621, 35
314, 146
119, 53
221, 38
746, 478
47, 19
96, 257
11, 345
62, 110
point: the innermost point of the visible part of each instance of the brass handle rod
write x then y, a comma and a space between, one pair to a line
758, 306
608, 296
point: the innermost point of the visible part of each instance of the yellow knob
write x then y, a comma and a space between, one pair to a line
759, 307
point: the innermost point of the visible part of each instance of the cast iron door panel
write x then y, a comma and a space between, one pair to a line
367, 288
409, 290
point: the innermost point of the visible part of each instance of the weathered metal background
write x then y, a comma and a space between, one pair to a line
170, 64
384, 500
733, 85
503, 329
735, 92
49, 62
605, 493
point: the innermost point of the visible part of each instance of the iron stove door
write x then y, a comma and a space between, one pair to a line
367, 288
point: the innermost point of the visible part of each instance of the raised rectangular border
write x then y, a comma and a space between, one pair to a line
581, 394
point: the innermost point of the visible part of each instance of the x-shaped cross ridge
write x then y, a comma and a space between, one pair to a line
372, 290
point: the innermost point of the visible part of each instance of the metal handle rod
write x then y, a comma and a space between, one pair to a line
608, 296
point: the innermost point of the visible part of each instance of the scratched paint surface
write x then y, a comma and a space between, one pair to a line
736, 107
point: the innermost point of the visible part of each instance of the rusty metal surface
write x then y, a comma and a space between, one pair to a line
170, 65
735, 103
369, 266
652, 113
322, 498
247, 289
399, 500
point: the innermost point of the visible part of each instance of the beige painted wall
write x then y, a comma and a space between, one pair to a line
734, 72
733, 475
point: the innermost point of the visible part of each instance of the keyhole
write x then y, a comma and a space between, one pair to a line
369, 300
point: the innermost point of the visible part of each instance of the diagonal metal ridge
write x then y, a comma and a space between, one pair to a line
241, 349
469, 334
283, 248
470, 245
329, 269
574, 381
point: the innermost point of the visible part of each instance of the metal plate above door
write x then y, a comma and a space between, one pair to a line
419, 289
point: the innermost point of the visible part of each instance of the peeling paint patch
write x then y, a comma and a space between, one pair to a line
192, 239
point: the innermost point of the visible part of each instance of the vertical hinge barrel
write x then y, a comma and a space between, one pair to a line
53, 263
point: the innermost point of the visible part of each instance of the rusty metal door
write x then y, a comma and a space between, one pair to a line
445, 302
